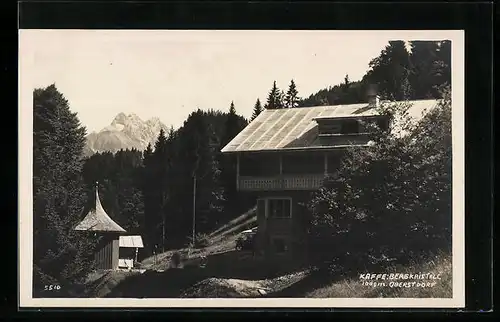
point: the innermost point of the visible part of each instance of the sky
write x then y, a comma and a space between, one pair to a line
168, 74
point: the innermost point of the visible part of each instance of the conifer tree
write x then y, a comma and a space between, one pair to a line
161, 195
231, 128
347, 82
60, 255
228, 162
257, 109
148, 176
390, 71
275, 98
291, 98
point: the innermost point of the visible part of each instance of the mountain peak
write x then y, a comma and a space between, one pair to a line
122, 118
126, 131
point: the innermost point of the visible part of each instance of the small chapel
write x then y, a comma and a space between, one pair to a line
98, 221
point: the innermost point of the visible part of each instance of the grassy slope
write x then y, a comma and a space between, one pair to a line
349, 288
221, 240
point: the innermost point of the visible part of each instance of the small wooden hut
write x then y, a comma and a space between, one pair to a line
129, 249
98, 221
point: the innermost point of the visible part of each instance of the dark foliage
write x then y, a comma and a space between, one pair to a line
398, 74
257, 109
291, 98
391, 202
60, 255
275, 98
119, 178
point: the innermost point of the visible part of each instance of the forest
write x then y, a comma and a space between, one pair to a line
151, 192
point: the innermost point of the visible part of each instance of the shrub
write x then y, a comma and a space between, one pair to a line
176, 260
201, 240
389, 202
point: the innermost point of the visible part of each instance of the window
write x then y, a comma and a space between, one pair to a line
280, 245
279, 208
329, 127
350, 127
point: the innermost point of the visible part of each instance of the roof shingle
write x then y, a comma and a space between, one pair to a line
296, 128
131, 242
98, 220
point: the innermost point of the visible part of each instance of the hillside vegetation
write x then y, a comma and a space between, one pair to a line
230, 274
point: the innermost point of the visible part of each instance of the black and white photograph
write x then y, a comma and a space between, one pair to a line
245, 168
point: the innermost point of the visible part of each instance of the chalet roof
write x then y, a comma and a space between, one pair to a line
130, 242
297, 128
98, 220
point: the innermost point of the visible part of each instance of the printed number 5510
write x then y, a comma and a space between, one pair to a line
52, 287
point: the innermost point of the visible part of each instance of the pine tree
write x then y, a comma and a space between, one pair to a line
228, 162
231, 126
232, 109
422, 75
148, 152
442, 65
148, 191
161, 167
171, 180
257, 109
198, 147
160, 143
346, 81
60, 254
291, 98
280, 99
390, 71
275, 98
128, 196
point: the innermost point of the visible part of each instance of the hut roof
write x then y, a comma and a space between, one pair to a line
131, 242
98, 220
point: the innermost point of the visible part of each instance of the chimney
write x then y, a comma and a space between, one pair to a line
373, 98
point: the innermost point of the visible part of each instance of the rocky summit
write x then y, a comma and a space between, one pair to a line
124, 132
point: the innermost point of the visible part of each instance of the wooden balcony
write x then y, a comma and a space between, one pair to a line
281, 182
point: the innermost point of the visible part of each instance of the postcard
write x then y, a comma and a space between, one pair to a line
241, 168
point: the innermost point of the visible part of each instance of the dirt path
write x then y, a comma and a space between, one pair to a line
239, 288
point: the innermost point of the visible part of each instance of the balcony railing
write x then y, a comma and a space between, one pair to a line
283, 182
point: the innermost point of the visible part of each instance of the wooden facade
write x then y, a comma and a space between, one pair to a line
106, 256
282, 234
287, 177
129, 251
280, 171
281, 182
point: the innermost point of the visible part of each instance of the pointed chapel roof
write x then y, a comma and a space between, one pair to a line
98, 220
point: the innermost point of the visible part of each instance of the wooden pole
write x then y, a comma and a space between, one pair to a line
194, 208
281, 179
237, 172
163, 231
326, 165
